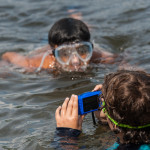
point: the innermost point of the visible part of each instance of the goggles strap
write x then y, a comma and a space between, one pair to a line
53, 52
42, 61
121, 124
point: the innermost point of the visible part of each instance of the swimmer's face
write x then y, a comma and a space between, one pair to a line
74, 65
73, 57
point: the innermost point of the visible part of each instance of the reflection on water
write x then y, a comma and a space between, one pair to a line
28, 100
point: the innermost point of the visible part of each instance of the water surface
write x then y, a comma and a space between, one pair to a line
28, 100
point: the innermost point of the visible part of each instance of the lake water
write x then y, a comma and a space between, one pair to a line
28, 100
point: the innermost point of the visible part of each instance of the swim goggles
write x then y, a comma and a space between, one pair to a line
82, 50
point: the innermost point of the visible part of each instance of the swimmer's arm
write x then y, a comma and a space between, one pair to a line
28, 62
100, 56
66, 138
16, 59
68, 123
108, 57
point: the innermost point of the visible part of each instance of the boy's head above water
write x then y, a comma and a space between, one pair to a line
72, 50
70, 40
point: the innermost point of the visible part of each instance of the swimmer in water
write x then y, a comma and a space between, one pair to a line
69, 49
125, 108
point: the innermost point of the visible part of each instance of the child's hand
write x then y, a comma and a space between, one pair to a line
8, 55
100, 114
16, 59
98, 87
67, 114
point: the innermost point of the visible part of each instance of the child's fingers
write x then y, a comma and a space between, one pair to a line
97, 87
81, 117
57, 113
70, 106
64, 107
81, 120
75, 106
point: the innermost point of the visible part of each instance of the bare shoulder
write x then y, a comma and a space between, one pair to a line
49, 62
42, 60
102, 56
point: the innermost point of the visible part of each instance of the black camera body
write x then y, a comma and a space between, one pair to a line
88, 102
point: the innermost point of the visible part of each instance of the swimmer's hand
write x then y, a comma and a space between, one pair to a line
67, 114
100, 114
97, 87
9, 55
16, 59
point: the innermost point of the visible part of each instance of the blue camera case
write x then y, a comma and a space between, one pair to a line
88, 99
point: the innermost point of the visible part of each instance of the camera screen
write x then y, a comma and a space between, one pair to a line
90, 103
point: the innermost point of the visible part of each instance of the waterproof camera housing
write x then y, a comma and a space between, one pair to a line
88, 102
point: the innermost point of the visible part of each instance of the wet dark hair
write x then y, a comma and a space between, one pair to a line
68, 30
127, 99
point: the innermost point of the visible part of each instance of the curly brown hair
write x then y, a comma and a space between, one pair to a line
127, 101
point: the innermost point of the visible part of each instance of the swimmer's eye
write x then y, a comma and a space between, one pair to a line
84, 49
63, 53
81, 50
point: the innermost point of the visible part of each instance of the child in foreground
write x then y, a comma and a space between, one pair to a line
70, 49
126, 108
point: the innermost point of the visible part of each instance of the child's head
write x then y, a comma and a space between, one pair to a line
70, 40
68, 30
127, 103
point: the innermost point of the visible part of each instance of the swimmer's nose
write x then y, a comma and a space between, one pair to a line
75, 60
